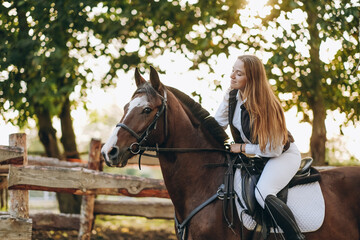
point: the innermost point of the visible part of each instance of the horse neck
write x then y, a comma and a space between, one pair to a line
188, 180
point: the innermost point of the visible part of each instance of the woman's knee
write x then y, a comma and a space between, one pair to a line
260, 196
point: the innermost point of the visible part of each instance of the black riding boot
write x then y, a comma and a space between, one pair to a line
284, 218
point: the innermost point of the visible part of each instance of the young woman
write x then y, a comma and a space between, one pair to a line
257, 124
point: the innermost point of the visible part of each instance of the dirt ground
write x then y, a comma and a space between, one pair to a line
117, 228
106, 234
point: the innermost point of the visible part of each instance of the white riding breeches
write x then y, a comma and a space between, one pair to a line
277, 173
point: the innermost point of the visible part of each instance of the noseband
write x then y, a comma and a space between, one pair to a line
135, 148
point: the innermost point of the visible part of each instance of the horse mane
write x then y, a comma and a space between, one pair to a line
202, 115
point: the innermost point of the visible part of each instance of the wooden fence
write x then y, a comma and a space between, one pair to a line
48, 174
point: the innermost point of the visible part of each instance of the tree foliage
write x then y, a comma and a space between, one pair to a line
44, 44
297, 66
45, 47
38, 73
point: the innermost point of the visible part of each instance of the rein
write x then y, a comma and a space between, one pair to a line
181, 150
136, 149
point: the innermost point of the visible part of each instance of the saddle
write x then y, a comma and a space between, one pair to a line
251, 169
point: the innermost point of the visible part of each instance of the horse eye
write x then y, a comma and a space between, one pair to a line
147, 110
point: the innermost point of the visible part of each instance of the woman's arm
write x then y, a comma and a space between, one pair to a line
255, 149
250, 148
222, 113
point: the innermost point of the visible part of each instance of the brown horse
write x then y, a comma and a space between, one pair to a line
168, 119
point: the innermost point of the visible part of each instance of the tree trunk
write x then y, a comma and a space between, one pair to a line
47, 134
68, 136
318, 136
68, 203
316, 99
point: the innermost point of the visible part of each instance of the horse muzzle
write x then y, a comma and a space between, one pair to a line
116, 157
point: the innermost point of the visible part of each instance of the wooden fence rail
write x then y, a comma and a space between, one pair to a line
11, 155
82, 181
50, 174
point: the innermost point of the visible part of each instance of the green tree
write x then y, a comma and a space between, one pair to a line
157, 26
43, 46
317, 85
39, 73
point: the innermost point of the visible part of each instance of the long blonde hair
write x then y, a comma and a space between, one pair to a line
266, 114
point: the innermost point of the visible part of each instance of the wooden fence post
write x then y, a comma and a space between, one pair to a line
19, 199
17, 226
88, 201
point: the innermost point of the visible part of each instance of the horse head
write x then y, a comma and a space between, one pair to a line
142, 118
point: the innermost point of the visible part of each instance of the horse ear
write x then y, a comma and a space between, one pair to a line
138, 78
154, 79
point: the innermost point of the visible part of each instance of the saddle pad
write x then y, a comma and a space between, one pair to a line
305, 201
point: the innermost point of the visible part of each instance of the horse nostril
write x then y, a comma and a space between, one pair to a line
113, 153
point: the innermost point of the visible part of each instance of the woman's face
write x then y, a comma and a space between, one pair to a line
238, 76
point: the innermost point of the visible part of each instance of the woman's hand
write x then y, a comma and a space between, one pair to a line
237, 147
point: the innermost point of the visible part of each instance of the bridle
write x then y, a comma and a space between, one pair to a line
136, 147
